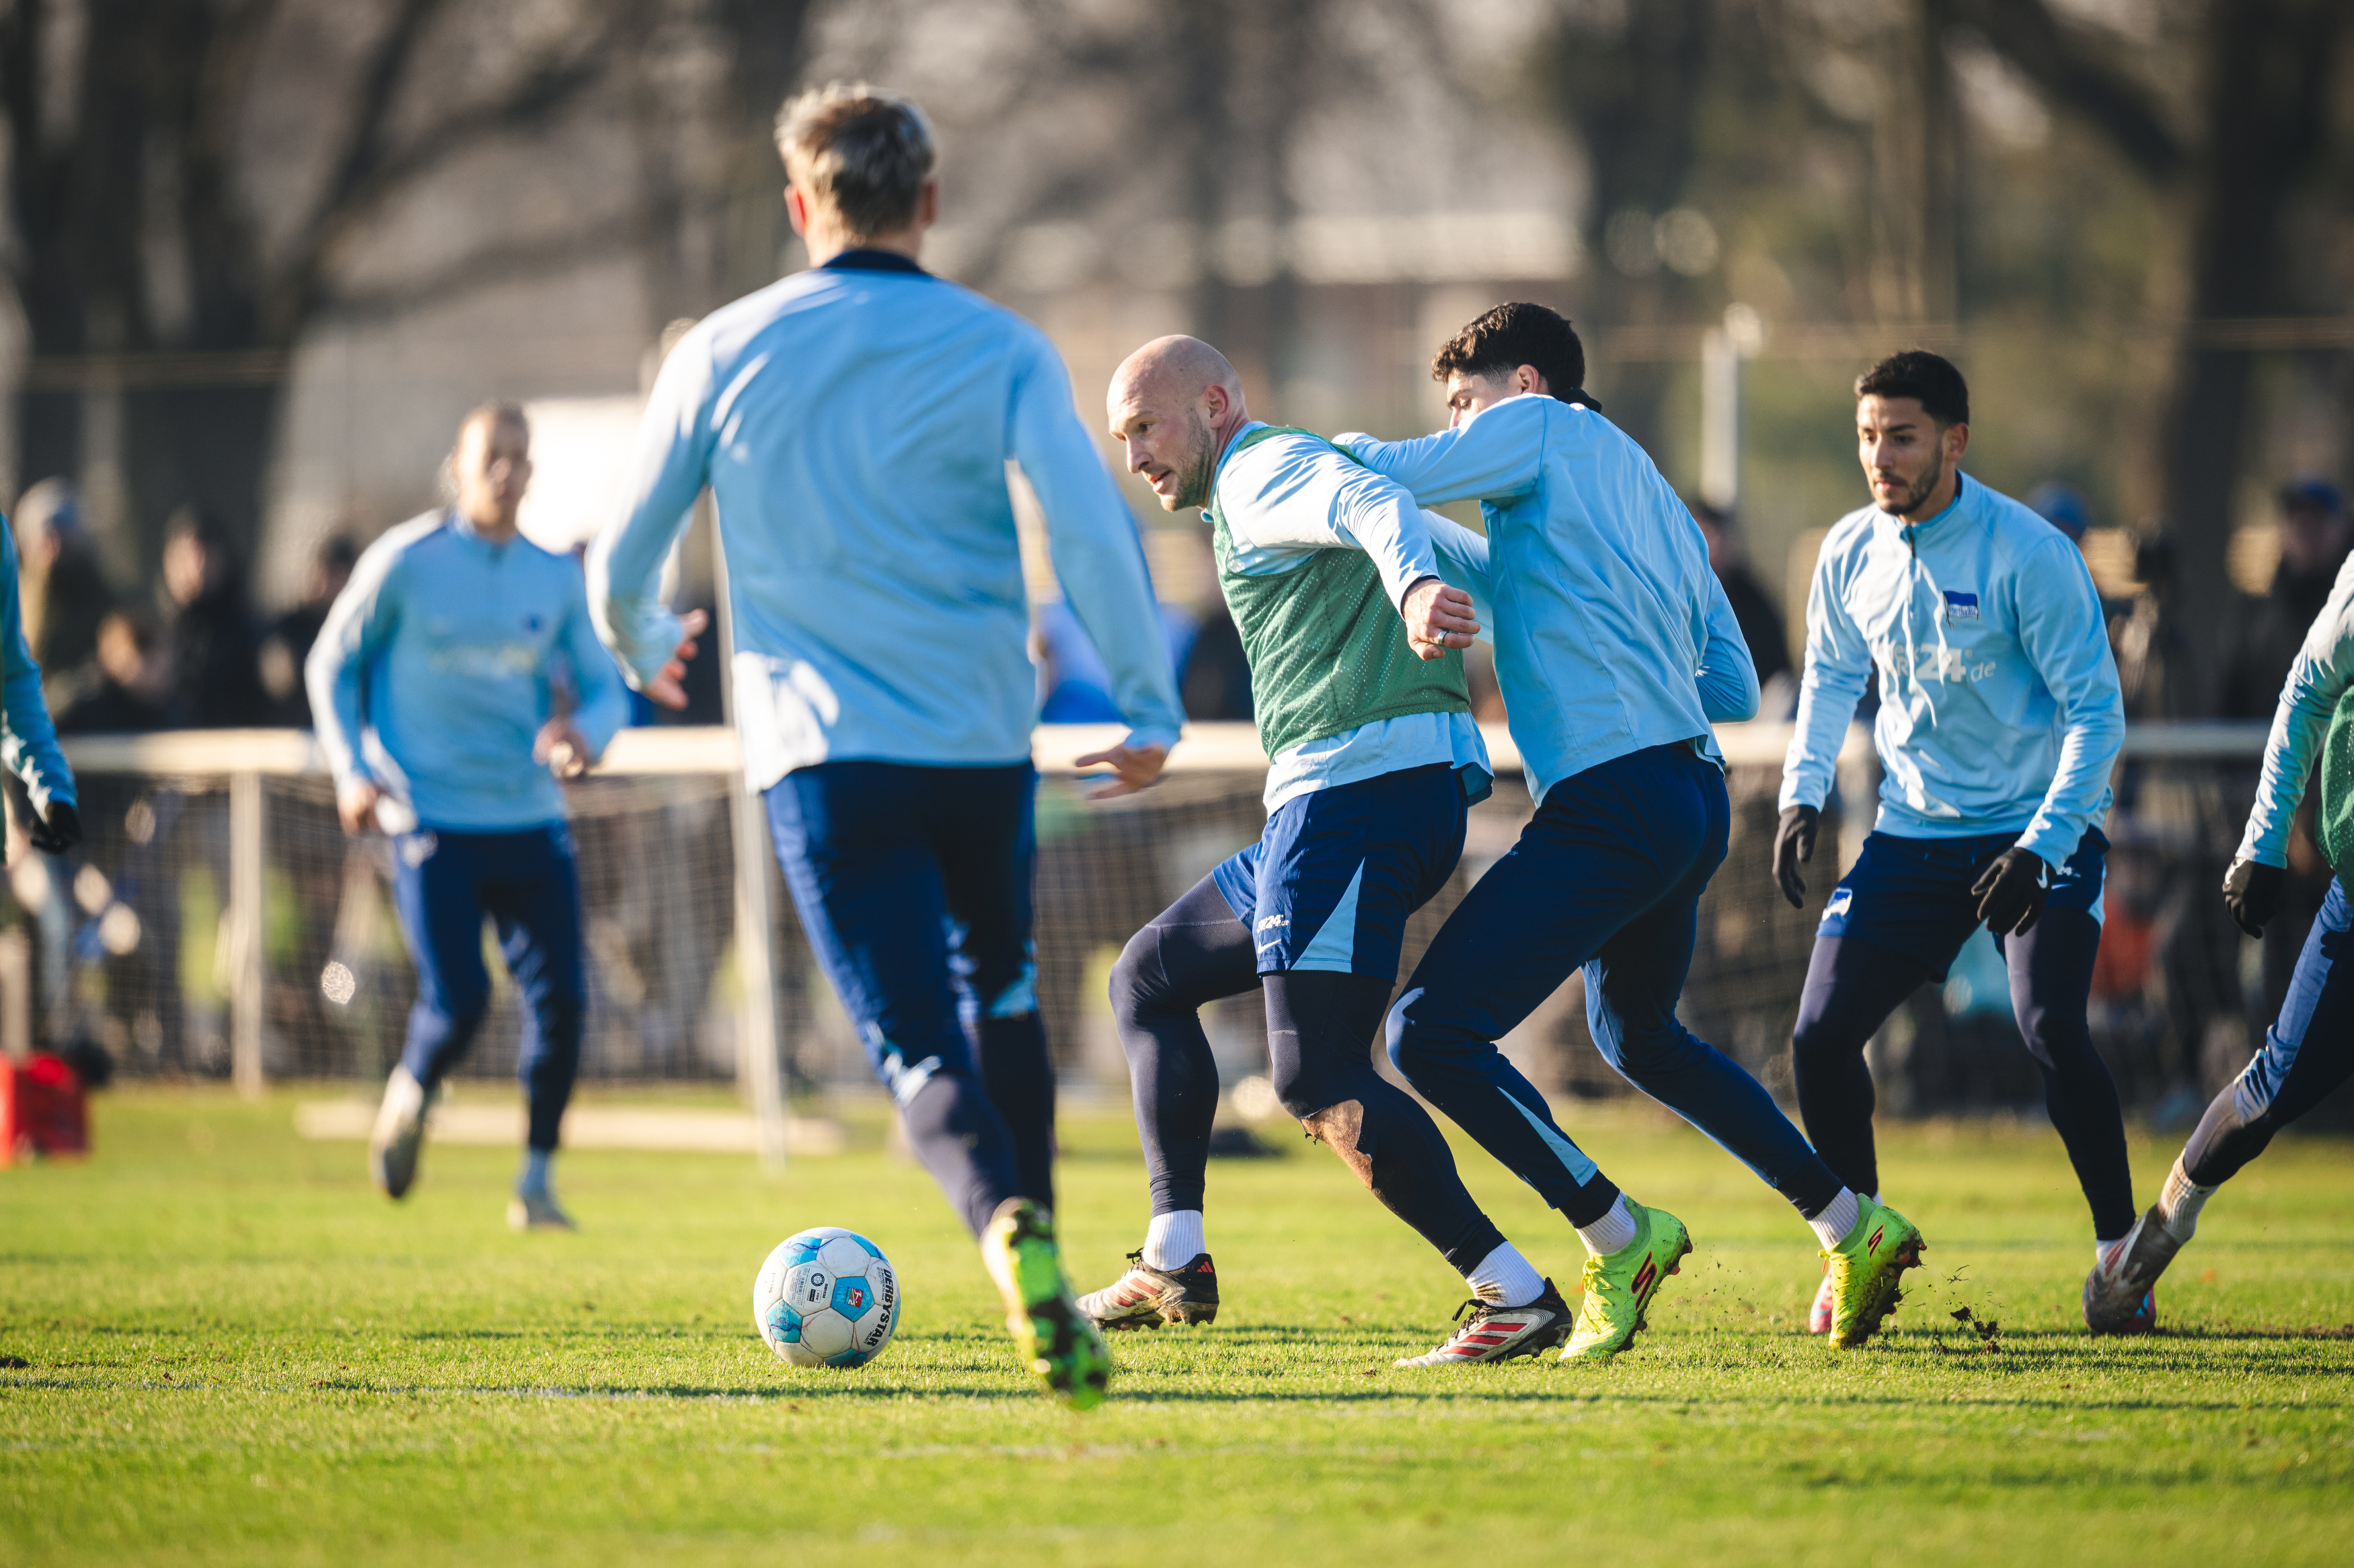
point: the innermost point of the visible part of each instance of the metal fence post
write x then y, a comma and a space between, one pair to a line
247, 960
756, 1018
756, 1067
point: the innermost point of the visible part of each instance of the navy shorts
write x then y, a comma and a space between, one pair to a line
1913, 894
1330, 882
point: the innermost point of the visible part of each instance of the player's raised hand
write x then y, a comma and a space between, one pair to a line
1794, 846
1135, 767
561, 749
1438, 618
355, 806
669, 688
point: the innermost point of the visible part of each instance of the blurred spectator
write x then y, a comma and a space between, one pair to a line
209, 629
63, 589
2260, 643
2262, 638
133, 692
1074, 684
287, 641
1214, 681
2059, 505
1753, 607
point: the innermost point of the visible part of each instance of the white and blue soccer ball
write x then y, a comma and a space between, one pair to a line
826, 1298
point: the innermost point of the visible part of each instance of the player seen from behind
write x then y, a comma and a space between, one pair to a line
854, 423
455, 679
1615, 649
1332, 576
2000, 720
2309, 1049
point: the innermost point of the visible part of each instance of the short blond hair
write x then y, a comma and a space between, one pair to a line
859, 152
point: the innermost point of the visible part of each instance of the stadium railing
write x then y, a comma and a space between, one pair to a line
217, 921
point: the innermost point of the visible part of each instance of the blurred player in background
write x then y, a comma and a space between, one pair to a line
2000, 720
853, 422
1332, 576
455, 680
2309, 1049
1615, 649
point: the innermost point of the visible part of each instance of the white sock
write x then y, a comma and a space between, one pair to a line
2180, 1202
534, 1178
1505, 1278
1838, 1218
1172, 1240
1611, 1232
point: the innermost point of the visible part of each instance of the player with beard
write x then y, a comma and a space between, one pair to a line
1615, 651
1331, 574
2000, 721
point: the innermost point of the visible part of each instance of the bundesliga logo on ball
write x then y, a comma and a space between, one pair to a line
826, 1298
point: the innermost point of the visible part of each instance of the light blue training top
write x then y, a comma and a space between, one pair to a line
1612, 635
28, 740
855, 422
439, 662
1999, 703
1284, 499
2317, 681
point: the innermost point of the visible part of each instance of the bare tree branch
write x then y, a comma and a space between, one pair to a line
371, 170
2075, 77
507, 261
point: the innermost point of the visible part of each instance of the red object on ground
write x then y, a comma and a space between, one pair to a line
41, 1109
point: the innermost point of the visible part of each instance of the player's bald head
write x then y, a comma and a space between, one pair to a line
1174, 371
1173, 404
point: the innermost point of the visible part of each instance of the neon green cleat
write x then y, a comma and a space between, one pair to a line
1060, 1342
1619, 1286
1864, 1270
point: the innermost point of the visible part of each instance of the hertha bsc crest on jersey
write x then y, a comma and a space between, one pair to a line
1961, 606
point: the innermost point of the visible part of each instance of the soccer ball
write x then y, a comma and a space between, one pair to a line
826, 1298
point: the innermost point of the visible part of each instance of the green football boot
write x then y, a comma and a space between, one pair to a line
1059, 1342
1619, 1285
1864, 1270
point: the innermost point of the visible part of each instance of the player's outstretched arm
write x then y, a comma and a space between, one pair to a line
2317, 681
1837, 664
1728, 673
336, 674
1494, 457
28, 738
625, 559
1099, 560
2066, 639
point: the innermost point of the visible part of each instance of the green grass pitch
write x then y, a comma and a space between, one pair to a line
219, 1346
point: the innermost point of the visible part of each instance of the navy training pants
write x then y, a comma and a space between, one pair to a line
2308, 1052
444, 884
1313, 915
913, 883
1606, 876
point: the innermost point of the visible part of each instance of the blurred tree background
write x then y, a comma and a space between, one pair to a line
262, 252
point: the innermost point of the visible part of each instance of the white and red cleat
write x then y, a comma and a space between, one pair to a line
1491, 1333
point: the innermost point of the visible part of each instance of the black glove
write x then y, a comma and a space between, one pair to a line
2252, 892
1794, 846
2011, 893
59, 833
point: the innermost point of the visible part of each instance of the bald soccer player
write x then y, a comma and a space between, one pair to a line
1332, 576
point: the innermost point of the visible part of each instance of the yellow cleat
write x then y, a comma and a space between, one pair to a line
1058, 1342
1864, 1270
1619, 1286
